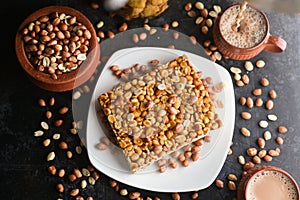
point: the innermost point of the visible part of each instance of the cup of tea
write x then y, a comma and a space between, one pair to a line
268, 182
250, 38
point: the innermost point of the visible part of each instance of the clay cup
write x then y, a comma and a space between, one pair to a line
267, 42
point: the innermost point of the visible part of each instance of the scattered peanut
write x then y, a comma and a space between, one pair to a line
193, 40
199, 5
51, 156
232, 177
242, 100
83, 184
72, 177
264, 82
76, 95
249, 102
204, 29
231, 185
134, 195
175, 196
260, 63
256, 159
135, 38
42, 102
113, 183
77, 173
63, 110
100, 24
69, 154
241, 159
63, 145
261, 142
273, 153
56, 136
248, 66
272, 117
258, 102
101, 146
272, 94
251, 151
188, 6
185, 163
204, 12
239, 83
61, 173
246, 115
209, 23
195, 195
257, 92
46, 142
123, 192
262, 153
74, 192
175, 24
217, 9
246, 132
279, 140
52, 101
142, 36
152, 31
219, 183
199, 20
60, 187
245, 79
213, 14
267, 158
263, 123
44, 125
48, 114
248, 165
282, 129
269, 104
123, 27
58, 122
267, 135
52, 169
38, 133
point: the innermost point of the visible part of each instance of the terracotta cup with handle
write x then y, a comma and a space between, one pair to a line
252, 37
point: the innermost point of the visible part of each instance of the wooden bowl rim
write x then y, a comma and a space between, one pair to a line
66, 77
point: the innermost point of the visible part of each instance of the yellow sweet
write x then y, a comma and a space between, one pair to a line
143, 8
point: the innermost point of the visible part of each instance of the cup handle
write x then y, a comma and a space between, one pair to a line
275, 44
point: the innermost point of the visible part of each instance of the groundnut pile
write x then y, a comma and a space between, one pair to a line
56, 43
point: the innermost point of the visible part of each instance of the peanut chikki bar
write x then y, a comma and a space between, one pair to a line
159, 112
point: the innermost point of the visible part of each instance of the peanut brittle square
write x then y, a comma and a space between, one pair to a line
158, 113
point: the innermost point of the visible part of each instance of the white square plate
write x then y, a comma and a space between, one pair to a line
199, 174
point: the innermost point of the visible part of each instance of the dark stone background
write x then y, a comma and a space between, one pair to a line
23, 165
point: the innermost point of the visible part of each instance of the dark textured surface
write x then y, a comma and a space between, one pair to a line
23, 163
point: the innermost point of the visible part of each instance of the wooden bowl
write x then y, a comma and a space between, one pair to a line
65, 81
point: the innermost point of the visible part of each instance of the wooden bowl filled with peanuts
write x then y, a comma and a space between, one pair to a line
57, 47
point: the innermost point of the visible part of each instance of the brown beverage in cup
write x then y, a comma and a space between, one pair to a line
268, 182
251, 37
251, 31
